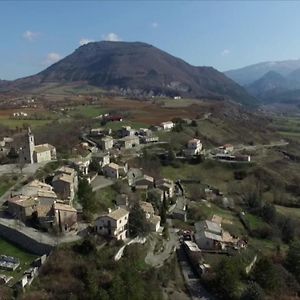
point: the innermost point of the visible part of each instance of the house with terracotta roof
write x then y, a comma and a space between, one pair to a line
65, 183
194, 147
167, 186
107, 142
37, 188
65, 217
22, 207
113, 224
145, 182
154, 220
111, 170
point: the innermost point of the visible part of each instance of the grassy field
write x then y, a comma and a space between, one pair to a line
105, 198
88, 111
209, 172
118, 125
254, 222
6, 182
288, 211
288, 127
25, 258
13, 123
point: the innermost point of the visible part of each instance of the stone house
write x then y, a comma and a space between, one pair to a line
167, 186
81, 164
209, 235
154, 220
194, 147
145, 182
129, 142
65, 183
167, 126
111, 170
107, 143
65, 217
22, 207
102, 158
113, 224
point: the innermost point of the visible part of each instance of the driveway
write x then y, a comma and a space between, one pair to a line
101, 182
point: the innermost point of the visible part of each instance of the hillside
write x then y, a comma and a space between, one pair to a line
136, 69
251, 73
271, 82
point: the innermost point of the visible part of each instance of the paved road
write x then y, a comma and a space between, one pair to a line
28, 169
157, 259
260, 146
37, 235
195, 287
101, 182
137, 240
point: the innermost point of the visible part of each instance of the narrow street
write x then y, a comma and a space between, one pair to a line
169, 247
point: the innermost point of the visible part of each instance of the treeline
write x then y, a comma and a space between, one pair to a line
271, 277
85, 273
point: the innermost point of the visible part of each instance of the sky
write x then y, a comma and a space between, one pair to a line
222, 34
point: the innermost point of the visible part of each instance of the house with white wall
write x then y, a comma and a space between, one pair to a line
113, 224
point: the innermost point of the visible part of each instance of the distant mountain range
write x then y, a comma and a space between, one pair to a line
271, 82
134, 68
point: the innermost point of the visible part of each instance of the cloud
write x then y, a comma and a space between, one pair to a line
225, 52
85, 41
112, 37
154, 24
30, 35
52, 58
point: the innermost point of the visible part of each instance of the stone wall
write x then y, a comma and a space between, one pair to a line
24, 241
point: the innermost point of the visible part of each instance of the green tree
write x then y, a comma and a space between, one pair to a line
269, 213
227, 278
86, 196
117, 290
163, 210
171, 156
266, 274
154, 197
95, 166
288, 230
194, 123
138, 224
253, 292
102, 294
166, 232
293, 259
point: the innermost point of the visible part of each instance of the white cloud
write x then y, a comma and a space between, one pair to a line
30, 35
52, 58
85, 41
112, 37
154, 24
225, 52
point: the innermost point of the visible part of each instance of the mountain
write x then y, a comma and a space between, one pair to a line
270, 83
136, 68
249, 74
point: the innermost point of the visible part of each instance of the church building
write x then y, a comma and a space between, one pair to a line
31, 153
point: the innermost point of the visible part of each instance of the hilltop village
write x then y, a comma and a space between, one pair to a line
125, 192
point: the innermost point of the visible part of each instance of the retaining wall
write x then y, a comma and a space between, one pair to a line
22, 240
